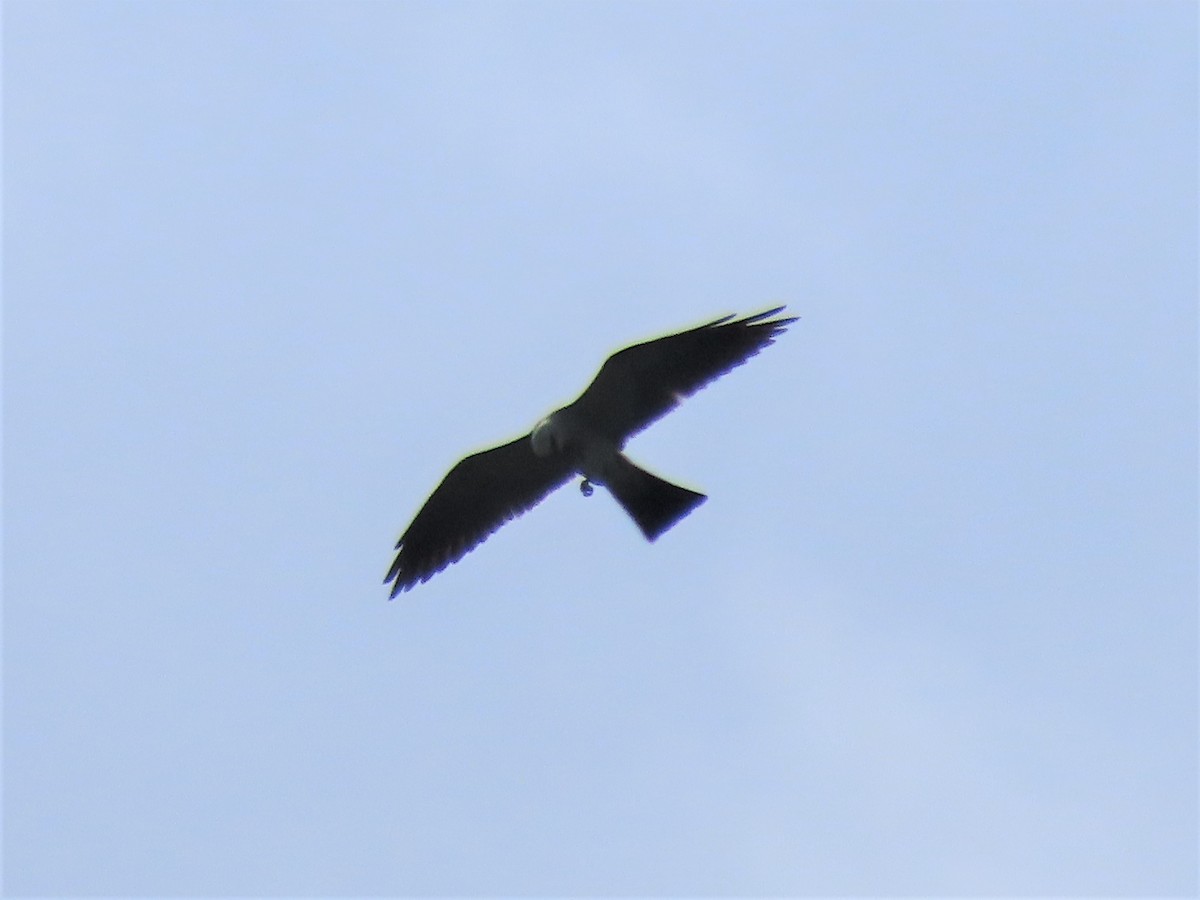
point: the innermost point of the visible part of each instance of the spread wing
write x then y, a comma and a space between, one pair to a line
476, 497
641, 383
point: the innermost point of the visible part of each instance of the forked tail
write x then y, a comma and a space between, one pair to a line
654, 504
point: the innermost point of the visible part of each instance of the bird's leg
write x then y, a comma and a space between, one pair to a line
585, 488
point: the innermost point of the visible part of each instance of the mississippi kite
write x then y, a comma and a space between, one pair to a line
634, 387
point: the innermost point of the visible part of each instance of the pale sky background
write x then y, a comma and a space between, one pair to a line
270, 269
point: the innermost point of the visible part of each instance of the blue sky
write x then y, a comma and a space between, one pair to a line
270, 269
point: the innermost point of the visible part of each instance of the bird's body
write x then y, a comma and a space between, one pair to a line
655, 505
634, 387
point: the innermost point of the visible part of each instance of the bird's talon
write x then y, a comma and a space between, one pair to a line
585, 488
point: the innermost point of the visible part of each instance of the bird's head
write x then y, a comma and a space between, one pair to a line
545, 437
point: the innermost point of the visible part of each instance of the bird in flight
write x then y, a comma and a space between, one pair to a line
633, 388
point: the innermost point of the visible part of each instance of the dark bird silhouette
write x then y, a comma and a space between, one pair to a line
633, 388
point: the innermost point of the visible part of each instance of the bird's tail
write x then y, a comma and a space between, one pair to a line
654, 504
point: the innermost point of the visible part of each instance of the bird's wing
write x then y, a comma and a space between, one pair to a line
476, 497
639, 384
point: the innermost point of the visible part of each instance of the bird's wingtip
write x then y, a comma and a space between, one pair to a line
758, 317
